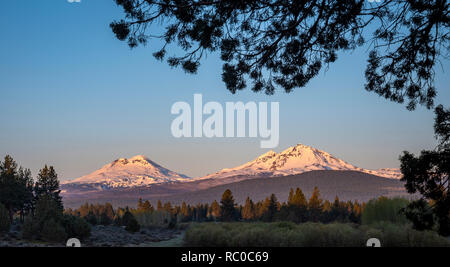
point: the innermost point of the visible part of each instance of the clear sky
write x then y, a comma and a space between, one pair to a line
73, 96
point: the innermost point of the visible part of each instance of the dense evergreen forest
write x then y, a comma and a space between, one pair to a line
297, 209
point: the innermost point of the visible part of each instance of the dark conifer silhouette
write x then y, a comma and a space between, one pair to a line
227, 206
286, 43
47, 184
16, 187
428, 174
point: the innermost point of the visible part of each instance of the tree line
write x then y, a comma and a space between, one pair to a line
36, 205
297, 209
20, 194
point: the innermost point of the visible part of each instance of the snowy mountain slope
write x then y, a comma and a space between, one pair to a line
133, 172
140, 171
296, 160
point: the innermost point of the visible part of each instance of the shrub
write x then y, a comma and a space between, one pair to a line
306, 235
47, 209
47, 222
126, 218
76, 227
385, 209
132, 226
29, 229
105, 219
5, 223
153, 218
130, 222
330, 235
53, 231
394, 235
216, 235
420, 214
91, 218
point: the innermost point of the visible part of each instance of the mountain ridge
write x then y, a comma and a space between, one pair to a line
296, 160
140, 171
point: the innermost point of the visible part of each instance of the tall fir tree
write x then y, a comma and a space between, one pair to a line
227, 207
159, 206
185, 213
315, 206
248, 211
15, 192
147, 207
270, 208
47, 184
298, 199
291, 196
26, 192
215, 209
297, 206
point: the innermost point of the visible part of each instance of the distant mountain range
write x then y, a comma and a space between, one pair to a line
140, 171
125, 180
296, 160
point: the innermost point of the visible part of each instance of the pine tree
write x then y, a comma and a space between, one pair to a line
271, 208
248, 211
297, 206
215, 209
206, 212
185, 212
47, 209
326, 212
227, 206
26, 192
14, 191
109, 210
326, 206
168, 207
291, 196
355, 216
47, 184
315, 206
130, 222
338, 212
428, 175
294, 40
298, 199
159, 206
284, 213
259, 207
147, 207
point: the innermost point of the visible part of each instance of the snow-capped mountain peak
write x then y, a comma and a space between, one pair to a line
136, 161
295, 160
131, 172
141, 171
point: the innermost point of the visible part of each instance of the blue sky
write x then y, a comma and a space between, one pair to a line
73, 96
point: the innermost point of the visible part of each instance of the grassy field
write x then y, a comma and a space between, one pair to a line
284, 234
175, 242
